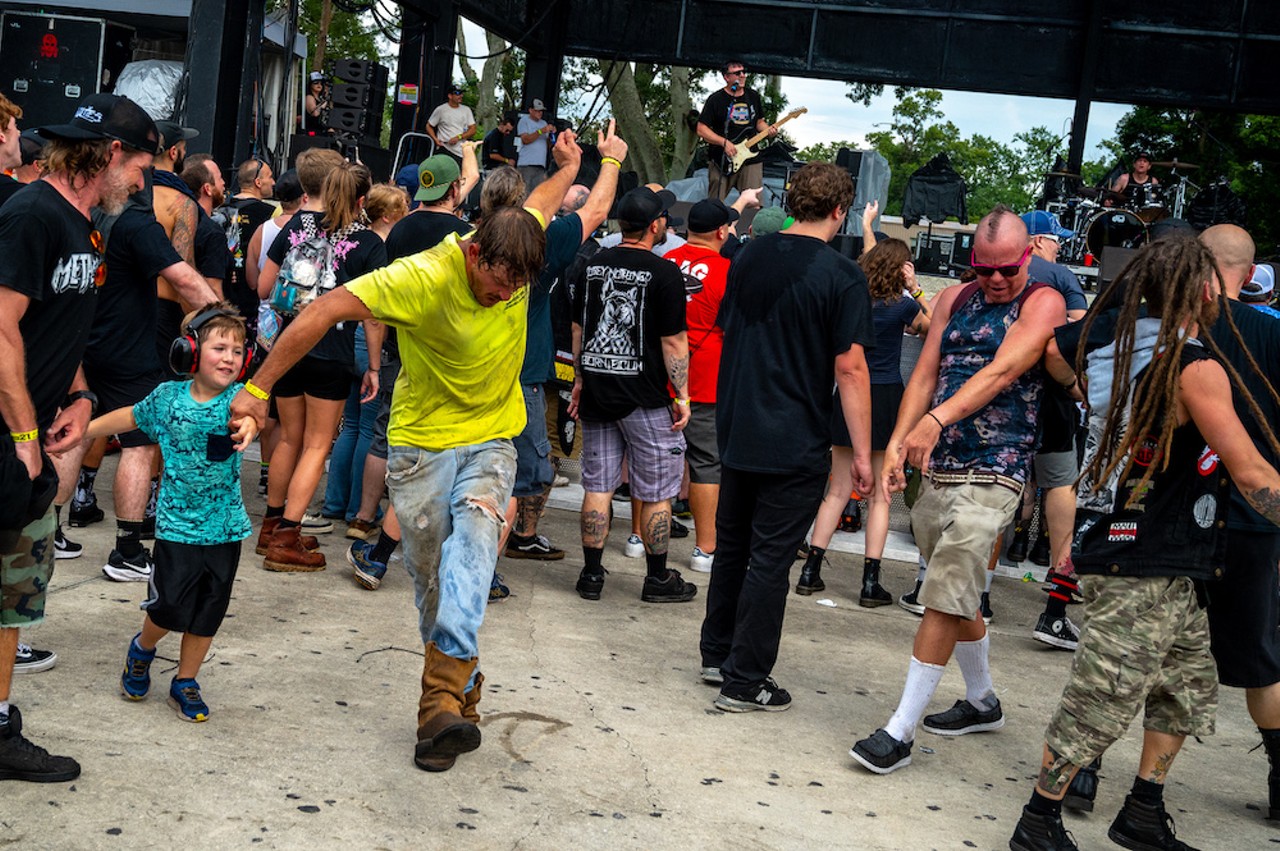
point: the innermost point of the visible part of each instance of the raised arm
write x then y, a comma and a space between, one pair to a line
546, 198
594, 211
470, 175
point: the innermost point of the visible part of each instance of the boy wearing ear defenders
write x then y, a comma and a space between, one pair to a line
200, 517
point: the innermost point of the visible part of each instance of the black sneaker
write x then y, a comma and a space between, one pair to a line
964, 718
64, 547
1143, 826
672, 589
84, 514
30, 660
136, 569
881, 753
769, 697
911, 602
1040, 551
678, 529
1057, 632
623, 493
23, 760
710, 674
590, 585
535, 547
985, 606
680, 508
1037, 832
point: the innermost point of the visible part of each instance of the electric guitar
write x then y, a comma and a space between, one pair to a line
738, 160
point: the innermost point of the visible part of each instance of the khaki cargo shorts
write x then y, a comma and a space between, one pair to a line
956, 526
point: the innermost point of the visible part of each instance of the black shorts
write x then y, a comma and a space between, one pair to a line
319, 379
117, 391
191, 586
1244, 612
168, 327
885, 399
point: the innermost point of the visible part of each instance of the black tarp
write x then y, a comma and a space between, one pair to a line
935, 191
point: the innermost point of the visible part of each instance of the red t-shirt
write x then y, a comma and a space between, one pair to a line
705, 337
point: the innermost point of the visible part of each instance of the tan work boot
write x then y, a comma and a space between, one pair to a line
269, 526
287, 555
443, 732
471, 700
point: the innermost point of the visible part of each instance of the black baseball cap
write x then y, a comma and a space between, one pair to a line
106, 116
454, 89
709, 214
171, 133
31, 145
642, 205
288, 187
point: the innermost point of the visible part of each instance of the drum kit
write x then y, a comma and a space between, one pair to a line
1103, 219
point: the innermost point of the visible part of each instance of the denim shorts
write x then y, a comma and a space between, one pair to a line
654, 455
534, 473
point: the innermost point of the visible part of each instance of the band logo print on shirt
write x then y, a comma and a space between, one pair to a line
75, 273
615, 347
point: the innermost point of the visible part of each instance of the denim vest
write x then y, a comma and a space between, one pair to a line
1177, 527
1000, 437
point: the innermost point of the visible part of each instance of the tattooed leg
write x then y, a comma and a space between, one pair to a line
655, 528
595, 519
1056, 772
531, 508
1158, 751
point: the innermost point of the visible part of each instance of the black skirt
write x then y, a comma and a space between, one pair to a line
885, 399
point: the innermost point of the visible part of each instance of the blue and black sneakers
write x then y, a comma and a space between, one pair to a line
184, 696
135, 682
368, 573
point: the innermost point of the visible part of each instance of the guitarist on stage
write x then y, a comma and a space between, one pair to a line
730, 115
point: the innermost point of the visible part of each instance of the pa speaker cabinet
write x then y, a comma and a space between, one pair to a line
49, 63
300, 142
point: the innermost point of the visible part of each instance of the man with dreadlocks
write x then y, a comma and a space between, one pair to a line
1152, 500
968, 421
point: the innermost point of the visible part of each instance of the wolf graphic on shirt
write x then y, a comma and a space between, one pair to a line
615, 306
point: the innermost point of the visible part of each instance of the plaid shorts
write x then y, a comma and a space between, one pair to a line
1145, 646
654, 454
25, 569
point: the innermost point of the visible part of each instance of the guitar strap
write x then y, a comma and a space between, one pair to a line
726, 164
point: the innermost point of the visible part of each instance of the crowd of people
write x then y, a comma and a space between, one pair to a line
412, 355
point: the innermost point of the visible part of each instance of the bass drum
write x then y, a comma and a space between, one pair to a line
1114, 229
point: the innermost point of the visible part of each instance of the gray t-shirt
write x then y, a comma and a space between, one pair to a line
535, 152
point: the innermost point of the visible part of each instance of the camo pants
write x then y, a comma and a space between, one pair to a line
1145, 645
25, 568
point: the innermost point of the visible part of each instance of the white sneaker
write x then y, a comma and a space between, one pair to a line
560, 481
701, 562
316, 524
634, 548
137, 569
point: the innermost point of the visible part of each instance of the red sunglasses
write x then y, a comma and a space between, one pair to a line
985, 271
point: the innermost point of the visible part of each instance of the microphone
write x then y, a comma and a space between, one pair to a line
734, 87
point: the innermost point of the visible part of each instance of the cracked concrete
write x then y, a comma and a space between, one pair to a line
597, 730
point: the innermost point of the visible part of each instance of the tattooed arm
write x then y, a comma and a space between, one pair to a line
675, 353
1204, 395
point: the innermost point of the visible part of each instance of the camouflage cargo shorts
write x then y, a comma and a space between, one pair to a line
25, 568
1145, 646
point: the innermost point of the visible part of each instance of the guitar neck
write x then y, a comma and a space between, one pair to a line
759, 137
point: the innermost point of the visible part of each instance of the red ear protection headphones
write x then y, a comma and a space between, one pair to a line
184, 353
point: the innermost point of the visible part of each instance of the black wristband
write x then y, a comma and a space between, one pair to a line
82, 394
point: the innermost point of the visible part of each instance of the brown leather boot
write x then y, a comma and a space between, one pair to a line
269, 526
443, 732
286, 553
471, 700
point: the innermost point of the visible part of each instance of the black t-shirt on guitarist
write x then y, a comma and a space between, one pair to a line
731, 116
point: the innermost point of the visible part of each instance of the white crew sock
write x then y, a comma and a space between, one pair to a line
971, 656
4, 711
923, 567
922, 682
991, 574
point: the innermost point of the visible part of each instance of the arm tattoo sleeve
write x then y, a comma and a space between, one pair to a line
1267, 503
678, 372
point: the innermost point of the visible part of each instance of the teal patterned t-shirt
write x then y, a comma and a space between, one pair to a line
200, 500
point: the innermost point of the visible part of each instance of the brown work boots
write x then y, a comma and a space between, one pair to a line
288, 550
447, 718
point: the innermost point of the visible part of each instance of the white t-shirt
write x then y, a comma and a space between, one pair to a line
451, 121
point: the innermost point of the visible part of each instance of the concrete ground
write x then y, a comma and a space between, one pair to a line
597, 730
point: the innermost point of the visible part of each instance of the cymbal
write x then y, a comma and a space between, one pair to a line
1088, 192
1060, 174
1175, 163
1113, 197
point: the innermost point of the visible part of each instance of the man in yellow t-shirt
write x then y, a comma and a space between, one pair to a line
460, 310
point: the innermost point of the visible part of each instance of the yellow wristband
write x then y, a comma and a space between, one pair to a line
917, 294
24, 436
684, 402
256, 392
614, 160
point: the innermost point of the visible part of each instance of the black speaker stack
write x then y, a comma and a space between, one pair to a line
359, 95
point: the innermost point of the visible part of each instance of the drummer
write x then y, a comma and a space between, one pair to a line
1136, 185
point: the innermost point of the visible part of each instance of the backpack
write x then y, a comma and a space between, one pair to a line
309, 269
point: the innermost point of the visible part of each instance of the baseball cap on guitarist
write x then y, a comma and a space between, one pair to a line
106, 116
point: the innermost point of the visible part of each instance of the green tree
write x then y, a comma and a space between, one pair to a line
349, 36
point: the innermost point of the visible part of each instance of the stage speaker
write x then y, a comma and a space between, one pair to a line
848, 245
354, 70
345, 119
353, 95
49, 64
1113, 262
378, 160
300, 142
932, 257
962, 250
850, 161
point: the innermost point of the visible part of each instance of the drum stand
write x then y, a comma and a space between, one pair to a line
1180, 192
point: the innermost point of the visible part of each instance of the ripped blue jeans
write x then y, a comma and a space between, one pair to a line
451, 507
